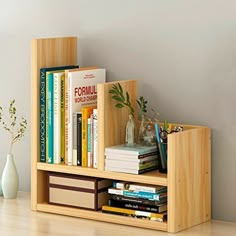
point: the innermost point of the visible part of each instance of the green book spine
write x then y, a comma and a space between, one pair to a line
50, 117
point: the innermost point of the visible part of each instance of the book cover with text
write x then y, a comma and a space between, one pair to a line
80, 91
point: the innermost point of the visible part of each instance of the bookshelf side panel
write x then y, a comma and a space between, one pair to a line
189, 178
45, 53
111, 120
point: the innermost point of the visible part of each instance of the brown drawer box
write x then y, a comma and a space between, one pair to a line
78, 191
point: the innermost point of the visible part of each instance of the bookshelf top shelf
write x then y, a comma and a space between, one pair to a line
152, 177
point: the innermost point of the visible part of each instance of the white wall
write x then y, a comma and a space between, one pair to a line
182, 52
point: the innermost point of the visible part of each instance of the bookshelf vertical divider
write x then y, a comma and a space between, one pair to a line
189, 152
44, 53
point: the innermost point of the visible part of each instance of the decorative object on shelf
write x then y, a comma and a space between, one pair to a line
146, 134
130, 126
10, 178
124, 101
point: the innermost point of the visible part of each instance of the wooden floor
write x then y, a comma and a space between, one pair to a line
16, 218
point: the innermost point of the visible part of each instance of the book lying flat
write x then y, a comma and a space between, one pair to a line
130, 164
140, 194
134, 150
138, 187
132, 158
138, 200
137, 206
131, 171
139, 214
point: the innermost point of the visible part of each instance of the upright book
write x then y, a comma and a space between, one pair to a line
42, 108
80, 90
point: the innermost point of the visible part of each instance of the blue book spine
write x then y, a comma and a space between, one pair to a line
50, 118
144, 195
42, 115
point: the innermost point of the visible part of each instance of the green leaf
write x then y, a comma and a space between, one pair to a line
127, 97
117, 98
119, 105
112, 91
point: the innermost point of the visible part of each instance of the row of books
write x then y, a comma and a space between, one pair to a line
135, 159
137, 200
68, 99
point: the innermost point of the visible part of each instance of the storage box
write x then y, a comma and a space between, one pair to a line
78, 191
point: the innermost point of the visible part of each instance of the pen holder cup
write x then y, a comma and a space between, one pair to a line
163, 156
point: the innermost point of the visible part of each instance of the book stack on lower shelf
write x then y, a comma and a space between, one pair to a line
138, 201
131, 159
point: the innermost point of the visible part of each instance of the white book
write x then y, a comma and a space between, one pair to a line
92, 140
139, 187
57, 117
95, 138
128, 170
89, 142
131, 161
130, 150
130, 165
135, 159
74, 157
81, 90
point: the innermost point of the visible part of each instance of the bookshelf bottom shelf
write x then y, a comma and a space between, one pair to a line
99, 216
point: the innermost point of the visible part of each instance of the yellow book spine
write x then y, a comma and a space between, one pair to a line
63, 118
86, 113
154, 216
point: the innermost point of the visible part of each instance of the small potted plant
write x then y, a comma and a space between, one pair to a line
10, 179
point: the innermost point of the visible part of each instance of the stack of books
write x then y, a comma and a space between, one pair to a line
137, 200
133, 160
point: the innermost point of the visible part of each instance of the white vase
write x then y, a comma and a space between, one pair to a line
10, 179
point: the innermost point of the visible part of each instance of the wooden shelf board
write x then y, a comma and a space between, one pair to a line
151, 177
99, 216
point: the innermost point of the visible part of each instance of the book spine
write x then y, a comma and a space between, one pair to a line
86, 113
74, 157
50, 119
79, 139
138, 200
57, 118
92, 138
136, 206
42, 127
89, 141
84, 137
145, 195
63, 118
95, 138
140, 194
135, 187
116, 191
70, 121
149, 215
47, 119
66, 116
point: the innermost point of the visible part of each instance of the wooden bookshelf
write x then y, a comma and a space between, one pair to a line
189, 165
